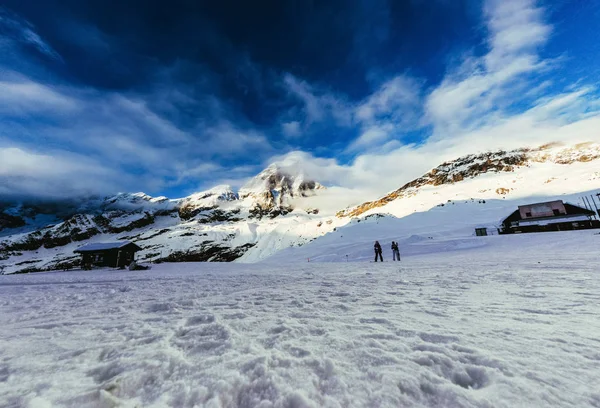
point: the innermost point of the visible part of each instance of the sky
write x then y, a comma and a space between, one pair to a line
175, 97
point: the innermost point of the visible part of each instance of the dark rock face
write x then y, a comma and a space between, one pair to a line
208, 252
218, 215
148, 219
77, 228
259, 212
10, 221
188, 212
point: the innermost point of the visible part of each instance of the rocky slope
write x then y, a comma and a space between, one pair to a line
474, 166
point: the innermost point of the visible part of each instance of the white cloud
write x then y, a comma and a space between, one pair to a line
319, 104
228, 140
21, 31
395, 107
498, 100
313, 106
515, 26
25, 97
372, 137
291, 129
392, 110
56, 175
483, 85
201, 171
399, 97
120, 134
471, 110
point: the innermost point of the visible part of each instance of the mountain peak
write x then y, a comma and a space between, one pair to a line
279, 184
135, 201
221, 192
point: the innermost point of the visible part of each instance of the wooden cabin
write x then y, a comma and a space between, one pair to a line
107, 254
549, 216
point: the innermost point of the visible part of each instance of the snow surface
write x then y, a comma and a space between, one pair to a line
462, 321
498, 321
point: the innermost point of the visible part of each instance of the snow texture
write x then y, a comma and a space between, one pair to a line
498, 321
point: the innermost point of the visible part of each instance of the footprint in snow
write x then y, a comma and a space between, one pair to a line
202, 319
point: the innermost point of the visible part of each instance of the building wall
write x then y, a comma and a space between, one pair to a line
542, 209
108, 258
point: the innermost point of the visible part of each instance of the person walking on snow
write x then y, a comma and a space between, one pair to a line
378, 251
395, 251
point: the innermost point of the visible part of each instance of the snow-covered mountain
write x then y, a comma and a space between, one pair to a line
214, 225
438, 212
274, 190
264, 217
551, 169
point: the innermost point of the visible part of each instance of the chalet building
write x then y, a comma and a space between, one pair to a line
549, 216
108, 254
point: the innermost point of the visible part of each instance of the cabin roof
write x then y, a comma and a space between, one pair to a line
572, 210
542, 203
104, 246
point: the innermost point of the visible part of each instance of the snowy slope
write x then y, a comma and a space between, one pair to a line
545, 171
440, 211
440, 230
513, 326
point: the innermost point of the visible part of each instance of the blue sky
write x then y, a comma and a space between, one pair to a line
174, 97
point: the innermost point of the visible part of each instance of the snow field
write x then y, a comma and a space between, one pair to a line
440, 231
455, 329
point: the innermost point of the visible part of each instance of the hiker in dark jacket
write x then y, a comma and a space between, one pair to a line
378, 251
395, 251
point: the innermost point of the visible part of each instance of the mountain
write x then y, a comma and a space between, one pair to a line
438, 212
214, 225
275, 188
206, 201
264, 217
552, 168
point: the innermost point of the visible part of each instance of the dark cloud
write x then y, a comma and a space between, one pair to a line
170, 96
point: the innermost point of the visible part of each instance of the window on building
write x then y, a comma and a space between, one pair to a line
528, 214
556, 212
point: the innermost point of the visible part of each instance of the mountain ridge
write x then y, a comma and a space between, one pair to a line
213, 225
260, 219
471, 166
